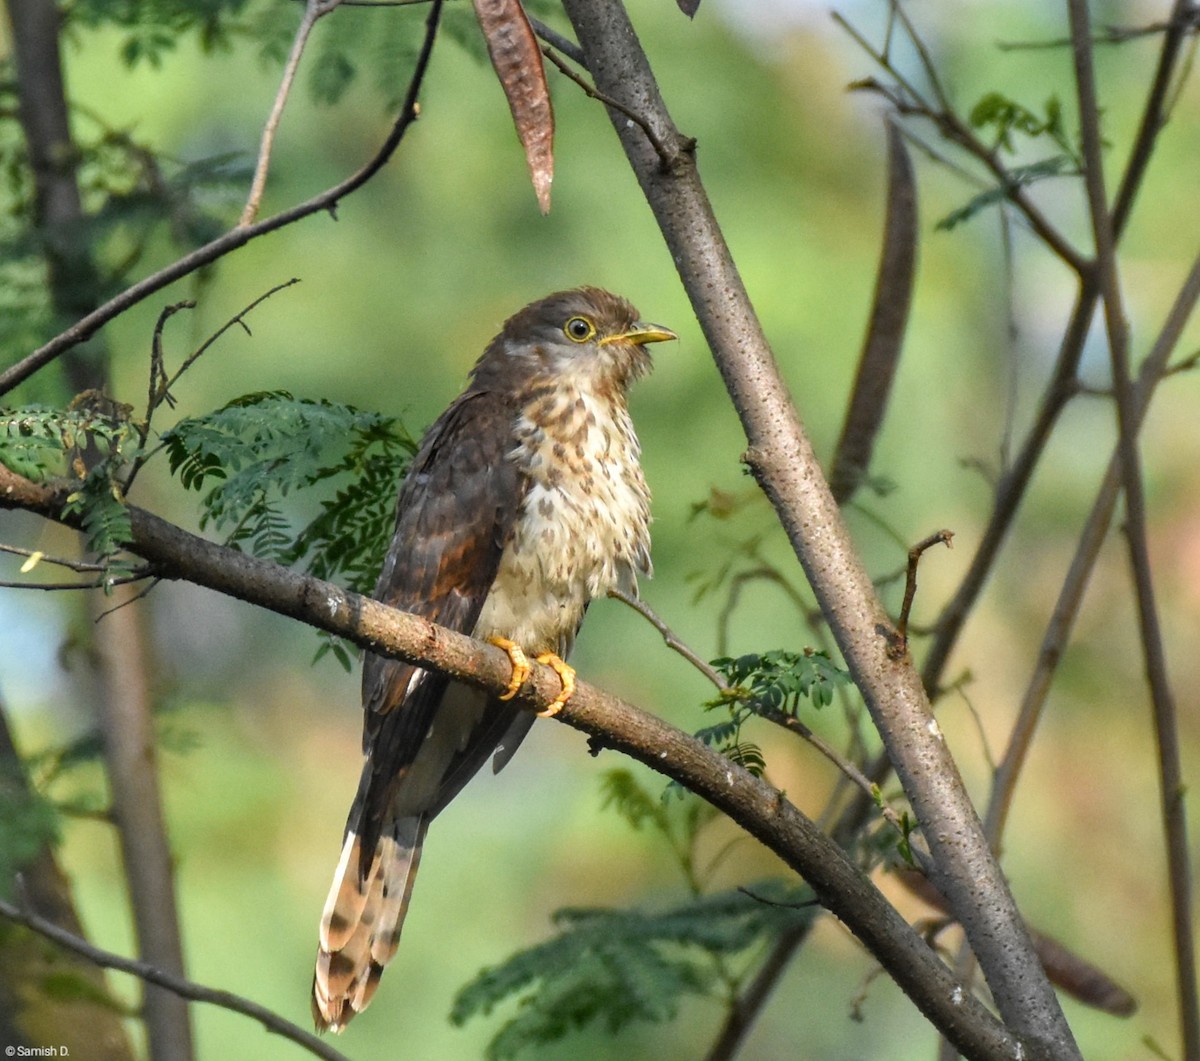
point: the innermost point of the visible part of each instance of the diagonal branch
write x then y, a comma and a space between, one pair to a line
782, 460
1162, 699
176, 984
86, 326
756, 806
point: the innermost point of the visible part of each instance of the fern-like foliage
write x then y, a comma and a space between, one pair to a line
89, 446
783, 680
772, 683
613, 967
251, 455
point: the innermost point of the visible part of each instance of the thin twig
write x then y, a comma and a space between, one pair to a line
1162, 698
1108, 35
945, 537
779, 718
237, 318
161, 384
236, 237
101, 583
954, 129
314, 10
1154, 368
590, 90
556, 40
176, 984
1183, 13
159, 388
672, 639
58, 561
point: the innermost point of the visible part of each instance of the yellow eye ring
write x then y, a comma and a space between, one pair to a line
579, 329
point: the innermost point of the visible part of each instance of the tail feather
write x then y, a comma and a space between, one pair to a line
361, 924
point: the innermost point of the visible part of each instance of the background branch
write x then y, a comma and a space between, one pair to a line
91, 322
177, 985
1162, 699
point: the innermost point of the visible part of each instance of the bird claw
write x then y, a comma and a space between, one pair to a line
520, 665
566, 675
521, 669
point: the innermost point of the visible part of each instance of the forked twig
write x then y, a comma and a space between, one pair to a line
945, 537
236, 237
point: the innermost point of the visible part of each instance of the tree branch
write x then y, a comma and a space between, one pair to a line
1164, 711
781, 458
757, 807
314, 10
176, 984
87, 325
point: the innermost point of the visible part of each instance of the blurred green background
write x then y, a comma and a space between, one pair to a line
399, 295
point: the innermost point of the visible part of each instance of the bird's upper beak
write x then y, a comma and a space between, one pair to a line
640, 334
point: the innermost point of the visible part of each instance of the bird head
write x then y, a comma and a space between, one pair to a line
587, 334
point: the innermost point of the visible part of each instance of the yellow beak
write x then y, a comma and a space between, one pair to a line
640, 334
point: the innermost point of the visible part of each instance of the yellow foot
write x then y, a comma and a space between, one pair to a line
566, 675
520, 665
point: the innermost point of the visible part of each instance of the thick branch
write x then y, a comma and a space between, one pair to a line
760, 809
781, 458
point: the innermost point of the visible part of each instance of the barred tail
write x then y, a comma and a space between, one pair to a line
360, 928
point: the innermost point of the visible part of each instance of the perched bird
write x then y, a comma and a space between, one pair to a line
525, 501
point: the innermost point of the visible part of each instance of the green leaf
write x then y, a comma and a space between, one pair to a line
342, 466
1019, 176
613, 967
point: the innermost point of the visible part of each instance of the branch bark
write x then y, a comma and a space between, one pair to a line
781, 458
757, 807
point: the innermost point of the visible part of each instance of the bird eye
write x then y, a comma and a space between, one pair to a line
579, 329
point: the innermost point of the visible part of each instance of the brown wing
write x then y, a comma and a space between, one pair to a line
454, 516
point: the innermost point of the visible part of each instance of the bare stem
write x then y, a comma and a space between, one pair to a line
672, 639
176, 984
1161, 696
314, 10
943, 537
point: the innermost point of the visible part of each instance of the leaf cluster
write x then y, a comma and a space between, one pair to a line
90, 445
767, 684
1007, 120
251, 455
614, 967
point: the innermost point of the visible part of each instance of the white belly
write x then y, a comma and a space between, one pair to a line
583, 528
